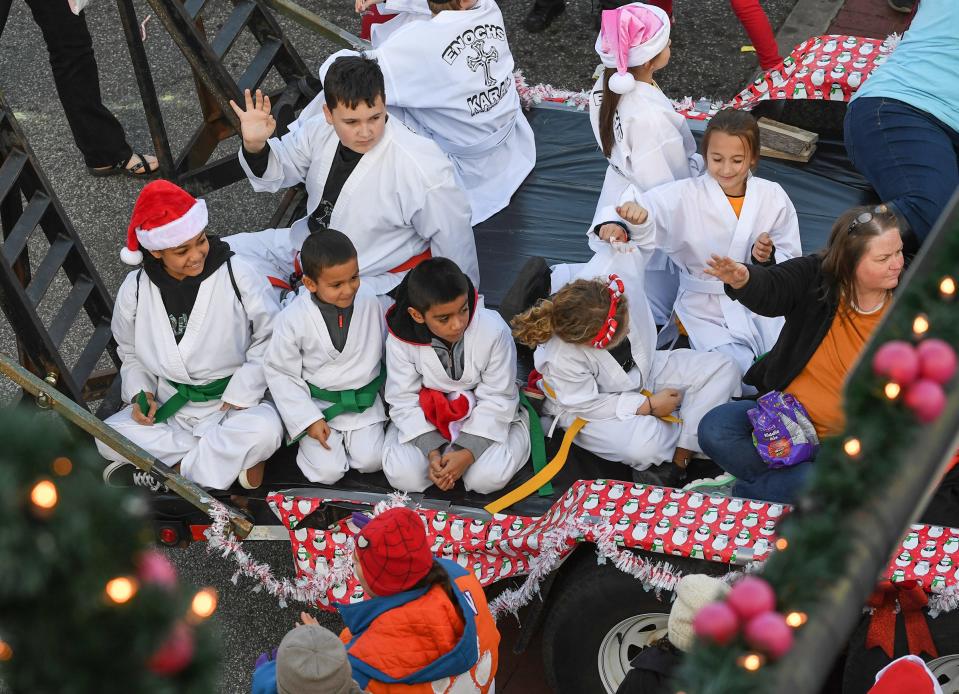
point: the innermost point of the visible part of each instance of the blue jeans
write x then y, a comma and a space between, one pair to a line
725, 435
910, 157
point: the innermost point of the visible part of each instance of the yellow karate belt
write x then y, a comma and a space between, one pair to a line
555, 465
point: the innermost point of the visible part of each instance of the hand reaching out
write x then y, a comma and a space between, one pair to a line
724, 268
763, 248
633, 212
256, 122
613, 233
362, 5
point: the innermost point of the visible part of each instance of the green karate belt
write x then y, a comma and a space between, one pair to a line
184, 393
537, 443
358, 400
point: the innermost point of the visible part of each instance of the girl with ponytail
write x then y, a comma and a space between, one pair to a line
646, 142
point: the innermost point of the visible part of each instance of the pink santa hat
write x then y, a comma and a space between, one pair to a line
630, 36
164, 216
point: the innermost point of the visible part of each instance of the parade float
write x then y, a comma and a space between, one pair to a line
580, 553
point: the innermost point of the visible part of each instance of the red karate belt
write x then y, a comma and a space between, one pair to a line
370, 17
412, 262
882, 627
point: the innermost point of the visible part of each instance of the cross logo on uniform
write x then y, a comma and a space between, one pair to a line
483, 60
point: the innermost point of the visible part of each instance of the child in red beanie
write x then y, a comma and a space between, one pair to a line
426, 626
191, 328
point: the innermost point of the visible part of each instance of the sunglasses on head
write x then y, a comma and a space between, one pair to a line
866, 217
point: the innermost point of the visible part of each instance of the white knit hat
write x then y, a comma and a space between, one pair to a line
631, 36
693, 592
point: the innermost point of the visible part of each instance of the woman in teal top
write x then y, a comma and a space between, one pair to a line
902, 127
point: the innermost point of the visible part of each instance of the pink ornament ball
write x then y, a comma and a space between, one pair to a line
926, 399
750, 597
154, 568
716, 622
770, 634
937, 360
898, 361
175, 653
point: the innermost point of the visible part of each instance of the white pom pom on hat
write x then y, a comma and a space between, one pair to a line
621, 83
131, 257
164, 216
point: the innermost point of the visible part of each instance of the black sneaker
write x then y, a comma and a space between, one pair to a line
666, 474
531, 285
124, 474
542, 14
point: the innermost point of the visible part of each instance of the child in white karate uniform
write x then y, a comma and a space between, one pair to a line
391, 191
645, 140
451, 387
449, 76
191, 328
324, 364
595, 346
728, 212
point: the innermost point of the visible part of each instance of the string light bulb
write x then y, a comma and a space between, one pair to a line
204, 603
121, 589
796, 619
62, 466
852, 447
751, 661
782, 544
920, 325
44, 495
947, 288
6, 653
892, 390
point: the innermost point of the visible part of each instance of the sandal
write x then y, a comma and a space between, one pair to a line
138, 170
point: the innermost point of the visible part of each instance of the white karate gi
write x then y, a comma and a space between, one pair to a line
652, 145
582, 381
223, 337
302, 352
400, 201
450, 78
692, 220
489, 371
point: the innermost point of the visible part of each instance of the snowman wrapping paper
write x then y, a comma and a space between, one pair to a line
660, 520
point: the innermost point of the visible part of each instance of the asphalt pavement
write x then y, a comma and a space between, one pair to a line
707, 61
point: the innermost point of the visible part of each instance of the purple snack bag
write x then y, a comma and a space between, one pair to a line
782, 431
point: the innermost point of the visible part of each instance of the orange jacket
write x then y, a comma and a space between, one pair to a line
415, 642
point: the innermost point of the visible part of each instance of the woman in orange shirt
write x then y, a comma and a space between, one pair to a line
832, 301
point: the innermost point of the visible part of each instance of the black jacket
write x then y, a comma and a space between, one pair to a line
799, 290
652, 671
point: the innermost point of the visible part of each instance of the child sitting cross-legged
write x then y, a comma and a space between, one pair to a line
191, 328
451, 386
595, 347
324, 363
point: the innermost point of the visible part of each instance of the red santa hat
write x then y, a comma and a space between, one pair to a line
393, 551
906, 674
164, 216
